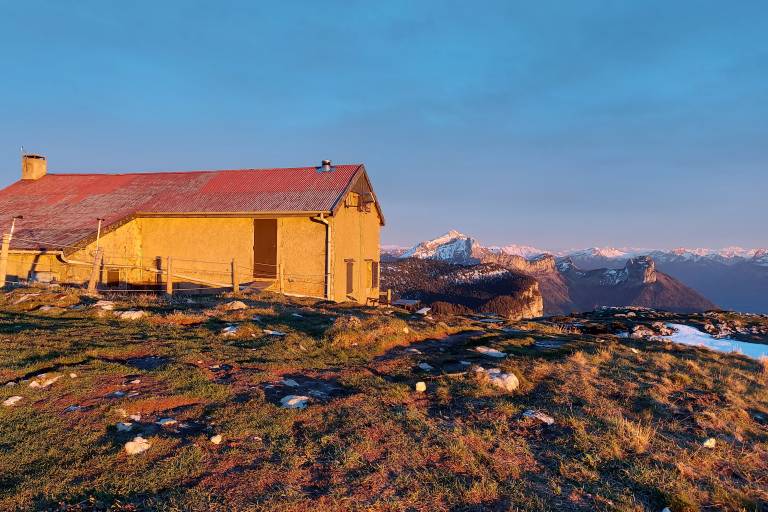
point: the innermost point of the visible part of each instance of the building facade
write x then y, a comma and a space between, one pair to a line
311, 231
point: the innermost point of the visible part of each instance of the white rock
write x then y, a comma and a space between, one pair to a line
166, 422
9, 402
217, 439
423, 311
138, 445
421, 387
542, 417
234, 305
106, 305
505, 381
634, 350
490, 352
273, 333
135, 381
426, 367
290, 382
297, 315
132, 314
72, 375
710, 443
413, 350
124, 427
44, 383
406, 330
294, 402
229, 330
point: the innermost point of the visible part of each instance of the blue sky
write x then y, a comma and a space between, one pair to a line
556, 124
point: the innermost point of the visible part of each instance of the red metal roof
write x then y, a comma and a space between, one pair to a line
61, 209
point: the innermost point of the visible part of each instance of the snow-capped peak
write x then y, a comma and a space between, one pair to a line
452, 246
526, 251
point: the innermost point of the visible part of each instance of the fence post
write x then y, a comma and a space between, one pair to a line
95, 270
4, 258
235, 278
281, 277
389, 295
168, 277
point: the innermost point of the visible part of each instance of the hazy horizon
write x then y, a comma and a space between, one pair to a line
554, 125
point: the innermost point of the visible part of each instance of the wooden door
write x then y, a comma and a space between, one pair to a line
265, 248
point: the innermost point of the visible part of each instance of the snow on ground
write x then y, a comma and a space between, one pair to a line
687, 335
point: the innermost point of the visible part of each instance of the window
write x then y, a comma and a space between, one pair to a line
350, 276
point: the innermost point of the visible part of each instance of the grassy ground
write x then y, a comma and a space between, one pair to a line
630, 417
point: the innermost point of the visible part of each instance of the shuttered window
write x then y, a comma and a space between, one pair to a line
374, 274
350, 276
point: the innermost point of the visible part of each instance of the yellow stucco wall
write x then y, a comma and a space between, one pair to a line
301, 251
355, 237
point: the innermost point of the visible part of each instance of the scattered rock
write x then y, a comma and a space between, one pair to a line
106, 305
465, 363
72, 375
634, 350
406, 330
235, 305
124, 426
273, 333
10, 402
347, 323
490, 352
229, 330
296, 315
138, 445
290, 382
74, 408
423, 311
116, 394
421, 387
294, 402
10, 384
542, 417
166, 422
413, 350
217, 439
44, 383
506, 381
426, 367
710, 443
135, 381
132, 314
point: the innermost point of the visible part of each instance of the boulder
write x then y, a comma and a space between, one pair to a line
506, 381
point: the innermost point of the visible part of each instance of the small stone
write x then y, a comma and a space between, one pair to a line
710, 443
106, 305
505, 381
217, 439
229, 330
131, 315
421, 387
74, 408
235, 305
294, 402
542, 417
72, 375
10, 402
406, 330
44, 383
296, 315
166, 422
634, 350
10, 384
116, 394
138, 445
426, 367
124, 426
273, 333
465, 363
490, 352
290, 382
423, 311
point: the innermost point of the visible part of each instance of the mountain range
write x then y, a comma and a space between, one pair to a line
578, 280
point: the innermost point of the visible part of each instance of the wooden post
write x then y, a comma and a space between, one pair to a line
168, 277
235, 278
4, 258
281, 276
95, 270
389, 295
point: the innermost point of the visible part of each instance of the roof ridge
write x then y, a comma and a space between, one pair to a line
200, 171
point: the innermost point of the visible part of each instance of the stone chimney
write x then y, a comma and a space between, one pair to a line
33, 167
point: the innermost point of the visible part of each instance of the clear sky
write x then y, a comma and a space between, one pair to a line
556, 124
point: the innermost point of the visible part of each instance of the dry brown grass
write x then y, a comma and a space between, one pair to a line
179, 318
633, 435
